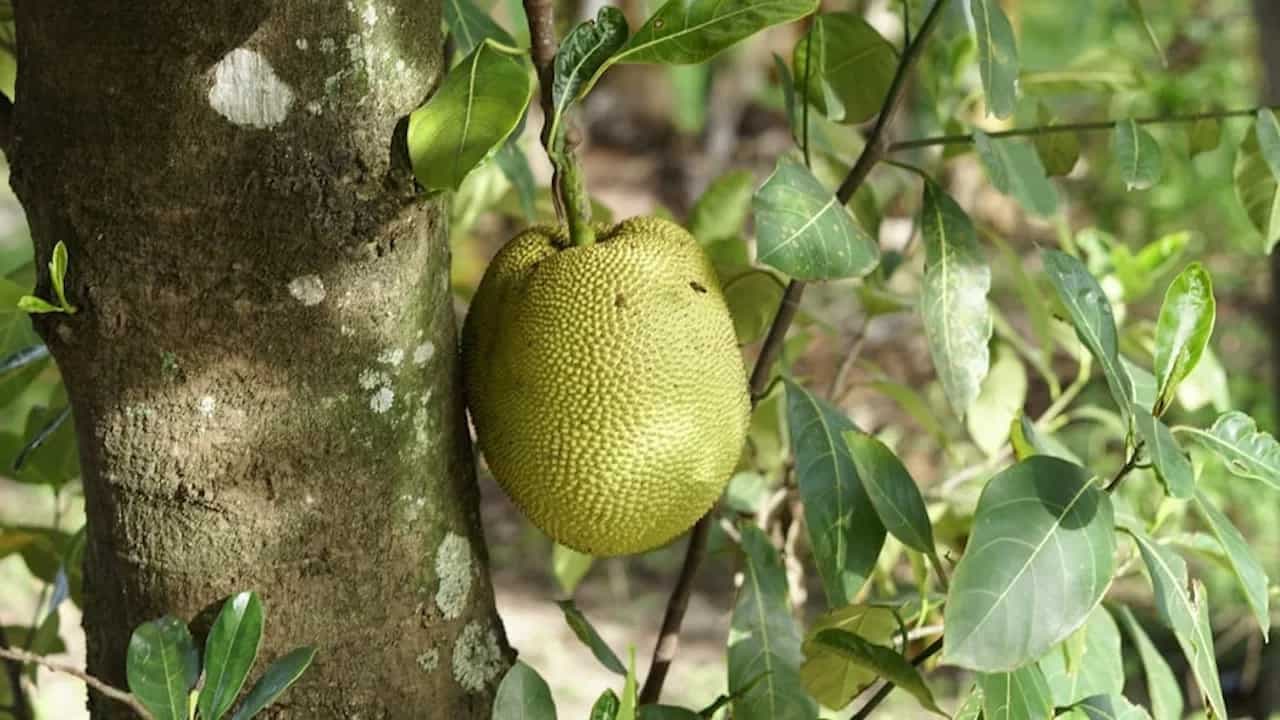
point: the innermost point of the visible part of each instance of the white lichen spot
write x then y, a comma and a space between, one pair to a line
391, 356
423, 353
453, 571
400, 65
307, 289
309, 499
302, 44
247, 91
328, 45
206, 405
429, 660
370, 15
382, 400
314, 107
477, 660
371, 378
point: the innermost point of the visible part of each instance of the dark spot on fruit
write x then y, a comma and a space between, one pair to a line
697, 287
619, 301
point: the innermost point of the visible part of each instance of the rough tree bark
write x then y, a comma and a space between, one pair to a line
262, 369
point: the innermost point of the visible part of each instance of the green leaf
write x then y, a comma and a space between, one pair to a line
1162, 687
35, 305
763, 639
1042, 533
971, 708
162, 666
892, 492
1137, 154
1004, 390
1183, 329
667, 712
684, 32
569, 567
1099, 671
1172, 467
1183, 608
279, 676
997, 56
1139, 273
1058, 151
1091, 315
1022, 694
844, 530
953, 300
852, 67
804, 231
881, 660
1248, 571
828, 677
589, 637
1269, 140
58, 276
1257, 188
1247, 451
515, 166
1014, 169
479, 104
722, 209
1141, 15
1206, 385
606, 706
229, 652
1143, 384
584, 51
788, 96
1202, 136
753, 297
1028, 440
470, 25
524, 695
1111, 707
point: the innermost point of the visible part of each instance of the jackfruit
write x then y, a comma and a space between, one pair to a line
605, 383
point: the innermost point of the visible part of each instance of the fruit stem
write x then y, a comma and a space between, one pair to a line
573, 196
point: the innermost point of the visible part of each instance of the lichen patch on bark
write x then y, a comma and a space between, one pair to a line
453, 573
477, 659
247, 91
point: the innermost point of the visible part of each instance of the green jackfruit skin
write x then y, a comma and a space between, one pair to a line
605, 383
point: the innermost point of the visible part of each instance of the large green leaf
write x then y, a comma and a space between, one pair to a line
683, 32
997, 56
279, 676
1162, 686
1099, 671
1111, 707
763, 639
883, 661
1183, 608
586, 632
1172, 467
1182, 330
1257, 188
722, 209
1248, 571
1004, 390
844, 530
1247, 451
479, 104
892, 492
1137, 154
953, 298
523, 695
1039, 559
162, 666
1021, 694
831, 679
584, 51
1014, 169
470, 25
848, 64
804, 231
229, 652
1091, 315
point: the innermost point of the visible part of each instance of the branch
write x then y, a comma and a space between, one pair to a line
21, 708
873, 152
888, 687
1125, 469
120, 696
1094, 126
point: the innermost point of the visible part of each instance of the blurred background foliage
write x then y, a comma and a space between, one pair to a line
692, 143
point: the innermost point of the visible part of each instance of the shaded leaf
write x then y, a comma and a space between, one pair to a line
162, 666
515, 166
953, 298
1137, 154
467, 119
997, 56
1183, 329
1042, 537
883, 661
279, 676
892, 491
1257, 188
1247, 451
1268, 131
753, 297
1098, 671
1059, 151
667, 712
1028, 440
844, 530
722, 209
1014, 169
763, 639
1022, 694
229, 653
1141, 15
804, 231
1202, 136
829, 678
470, 25
1143, 384
1111, 707
852, 67
1172, 467
1162, 686
1248, 571
589, 637
583, 52
524, 695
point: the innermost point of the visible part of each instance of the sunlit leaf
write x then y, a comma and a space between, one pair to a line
1137, 154
1111, 707
829, 678
229, 653
848, 64
683, 32
997, 56
1003, 392
1021, 694
1257, 188
470, 25
569, 567
1182, 330
1247, 451
162, 666
280, 675
883, 661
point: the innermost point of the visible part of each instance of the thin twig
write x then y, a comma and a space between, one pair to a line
888, 687
1125, 469
21, 709
1094, 126
873, 152
119, 696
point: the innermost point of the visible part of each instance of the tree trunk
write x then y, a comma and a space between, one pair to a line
262, 367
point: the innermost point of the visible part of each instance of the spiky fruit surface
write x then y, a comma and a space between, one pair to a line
605, 383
